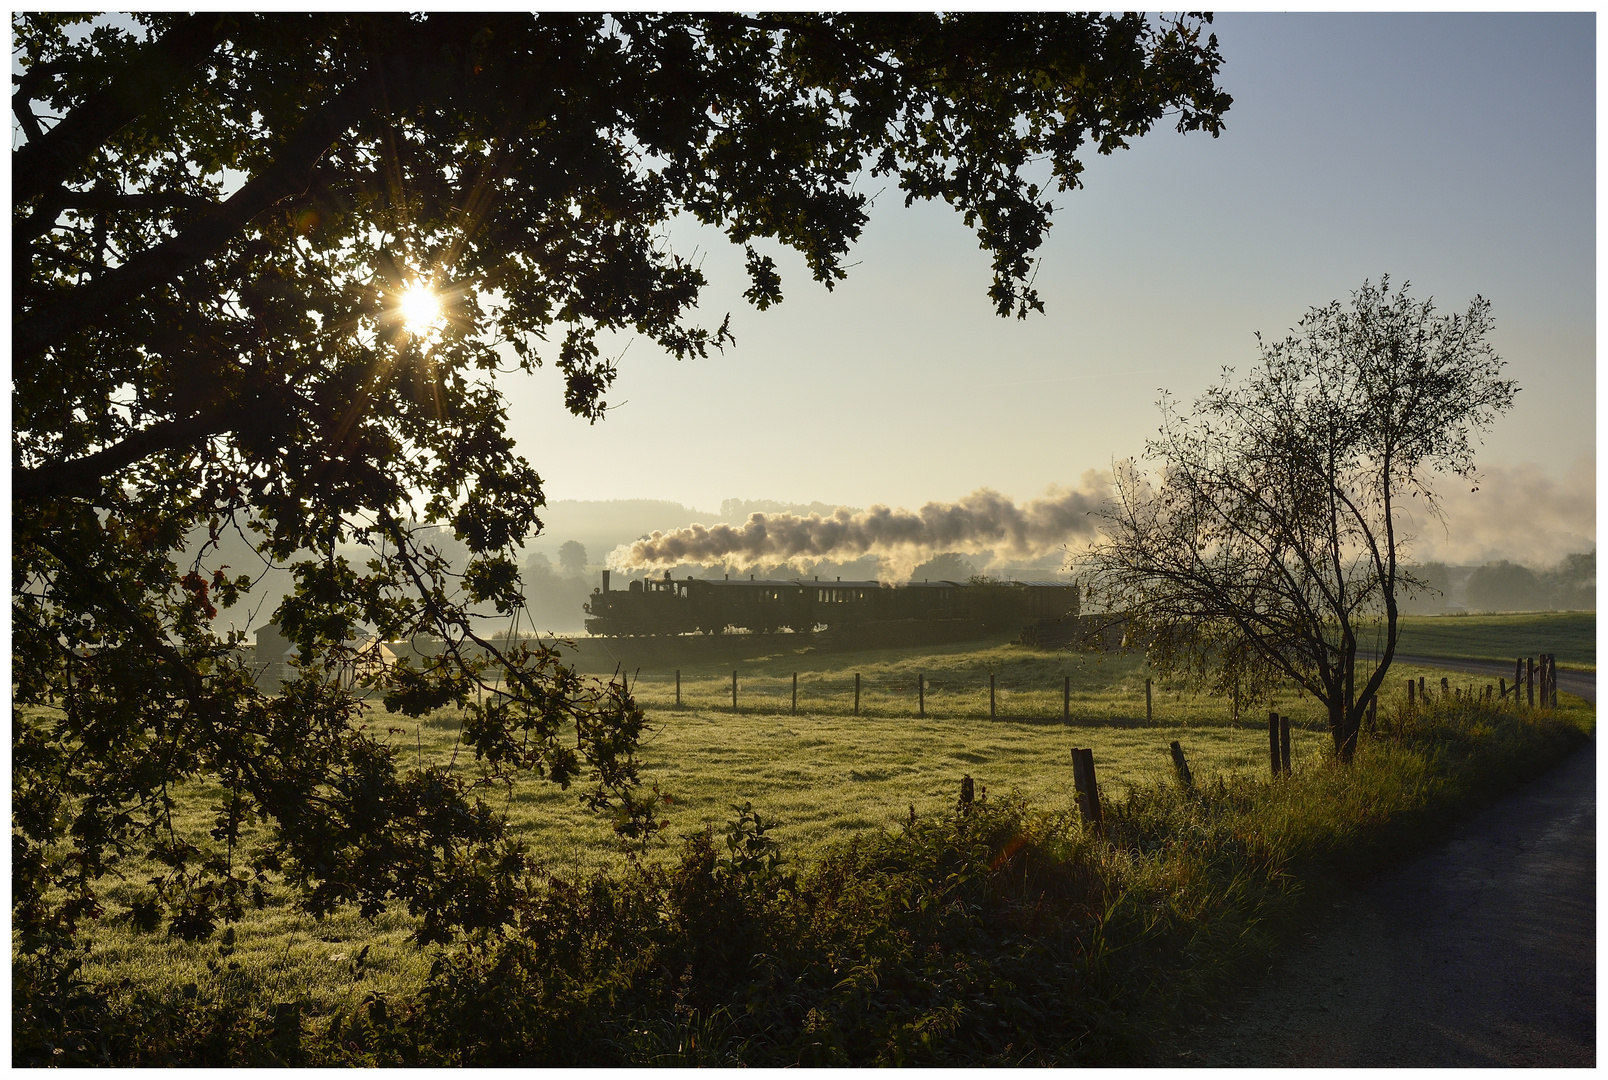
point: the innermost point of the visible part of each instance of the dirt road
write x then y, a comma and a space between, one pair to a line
1480, 953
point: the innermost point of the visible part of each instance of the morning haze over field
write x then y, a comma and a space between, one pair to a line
1454, 152
466, 612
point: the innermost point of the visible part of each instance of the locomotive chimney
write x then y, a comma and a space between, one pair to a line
605, 581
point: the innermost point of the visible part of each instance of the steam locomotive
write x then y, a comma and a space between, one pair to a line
698, 605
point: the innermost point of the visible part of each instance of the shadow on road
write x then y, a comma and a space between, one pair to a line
1481, 953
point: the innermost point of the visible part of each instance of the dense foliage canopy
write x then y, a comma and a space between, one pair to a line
1269, 547
218, 223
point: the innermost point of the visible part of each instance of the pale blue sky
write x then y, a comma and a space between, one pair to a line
1457, 151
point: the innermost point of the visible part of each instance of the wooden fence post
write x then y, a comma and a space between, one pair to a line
678, 688
1284, 744
1273, 741
1552, 680
1446, 689
921, 696
1501, 686
1066, 701
1088, 790
856, 693
733, 691
795, 691
1410, 701
1518, 678
1529, 681
991, 713
1148, 713
1180, 766
1423, 697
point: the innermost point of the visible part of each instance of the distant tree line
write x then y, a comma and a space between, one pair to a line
1570, 585
553, 596
949, 566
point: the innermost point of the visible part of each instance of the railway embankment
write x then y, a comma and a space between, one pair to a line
599, 653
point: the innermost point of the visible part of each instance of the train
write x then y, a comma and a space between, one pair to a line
690, 605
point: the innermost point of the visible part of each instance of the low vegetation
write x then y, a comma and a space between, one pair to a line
858, 915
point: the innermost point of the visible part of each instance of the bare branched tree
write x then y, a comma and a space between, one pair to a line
1269, 547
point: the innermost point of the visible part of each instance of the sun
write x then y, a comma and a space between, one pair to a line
421, 309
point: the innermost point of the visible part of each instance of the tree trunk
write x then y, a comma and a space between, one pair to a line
1343, 730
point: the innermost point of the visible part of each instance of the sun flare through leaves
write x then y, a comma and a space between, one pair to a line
420, 309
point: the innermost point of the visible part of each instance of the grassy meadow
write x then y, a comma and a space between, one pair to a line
1571, 635
820, 775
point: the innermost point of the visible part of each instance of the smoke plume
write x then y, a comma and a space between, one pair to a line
985, 520
1523, 513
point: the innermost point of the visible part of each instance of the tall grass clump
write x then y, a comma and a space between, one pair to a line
994, 933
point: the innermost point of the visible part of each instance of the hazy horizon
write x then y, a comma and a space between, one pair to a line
1455, 151
1558, 517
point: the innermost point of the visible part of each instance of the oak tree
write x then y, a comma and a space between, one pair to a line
229, 232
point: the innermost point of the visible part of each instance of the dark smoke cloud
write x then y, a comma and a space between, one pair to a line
985, 520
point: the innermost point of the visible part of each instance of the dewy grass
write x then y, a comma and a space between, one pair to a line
1571, 635
820, 776
1006, 933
